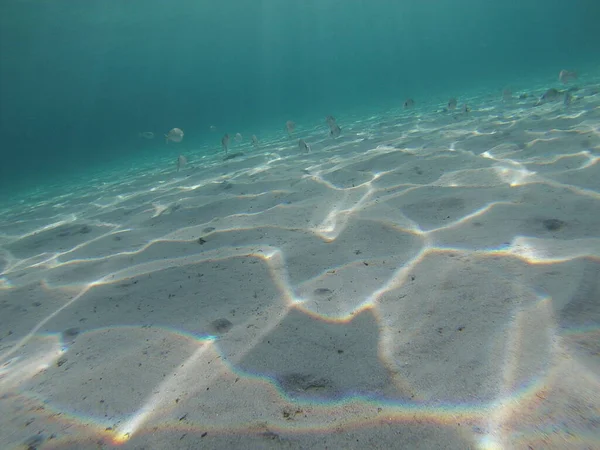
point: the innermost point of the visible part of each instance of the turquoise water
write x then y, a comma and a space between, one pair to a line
80, 80
427, 279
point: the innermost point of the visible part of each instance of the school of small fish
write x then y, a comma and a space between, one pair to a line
176, 135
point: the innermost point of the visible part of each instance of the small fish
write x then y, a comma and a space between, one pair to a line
335, 130
254, 141
181, 161
225, 143
550, 95
238, 137
466, 109
175, 135
452, 104
213, 128
303, 145
146, 135
568, 98
409, 103
507, 95
565, 75
290, 126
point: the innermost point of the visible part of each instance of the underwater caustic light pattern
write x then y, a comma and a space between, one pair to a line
421, 277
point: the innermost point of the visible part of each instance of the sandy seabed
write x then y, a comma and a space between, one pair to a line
425, 280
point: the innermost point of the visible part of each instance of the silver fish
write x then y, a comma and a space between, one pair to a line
565, 75
335, 130
550, 95
290, 126
181, 161
303, 145
175, 135
225, 143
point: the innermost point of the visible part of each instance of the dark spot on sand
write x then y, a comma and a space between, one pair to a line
290, 414
71, 333
270, 435
75, 229
84, 229
323, 291
221, 325
300, 383
553, 224
201, 241
32, 442
208, 229
232, 155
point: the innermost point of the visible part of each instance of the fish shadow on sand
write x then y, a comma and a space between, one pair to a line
232, 155
309, 359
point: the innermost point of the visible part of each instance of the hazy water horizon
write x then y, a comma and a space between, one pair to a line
79, 81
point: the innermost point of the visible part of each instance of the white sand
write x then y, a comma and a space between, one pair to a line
423, 281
